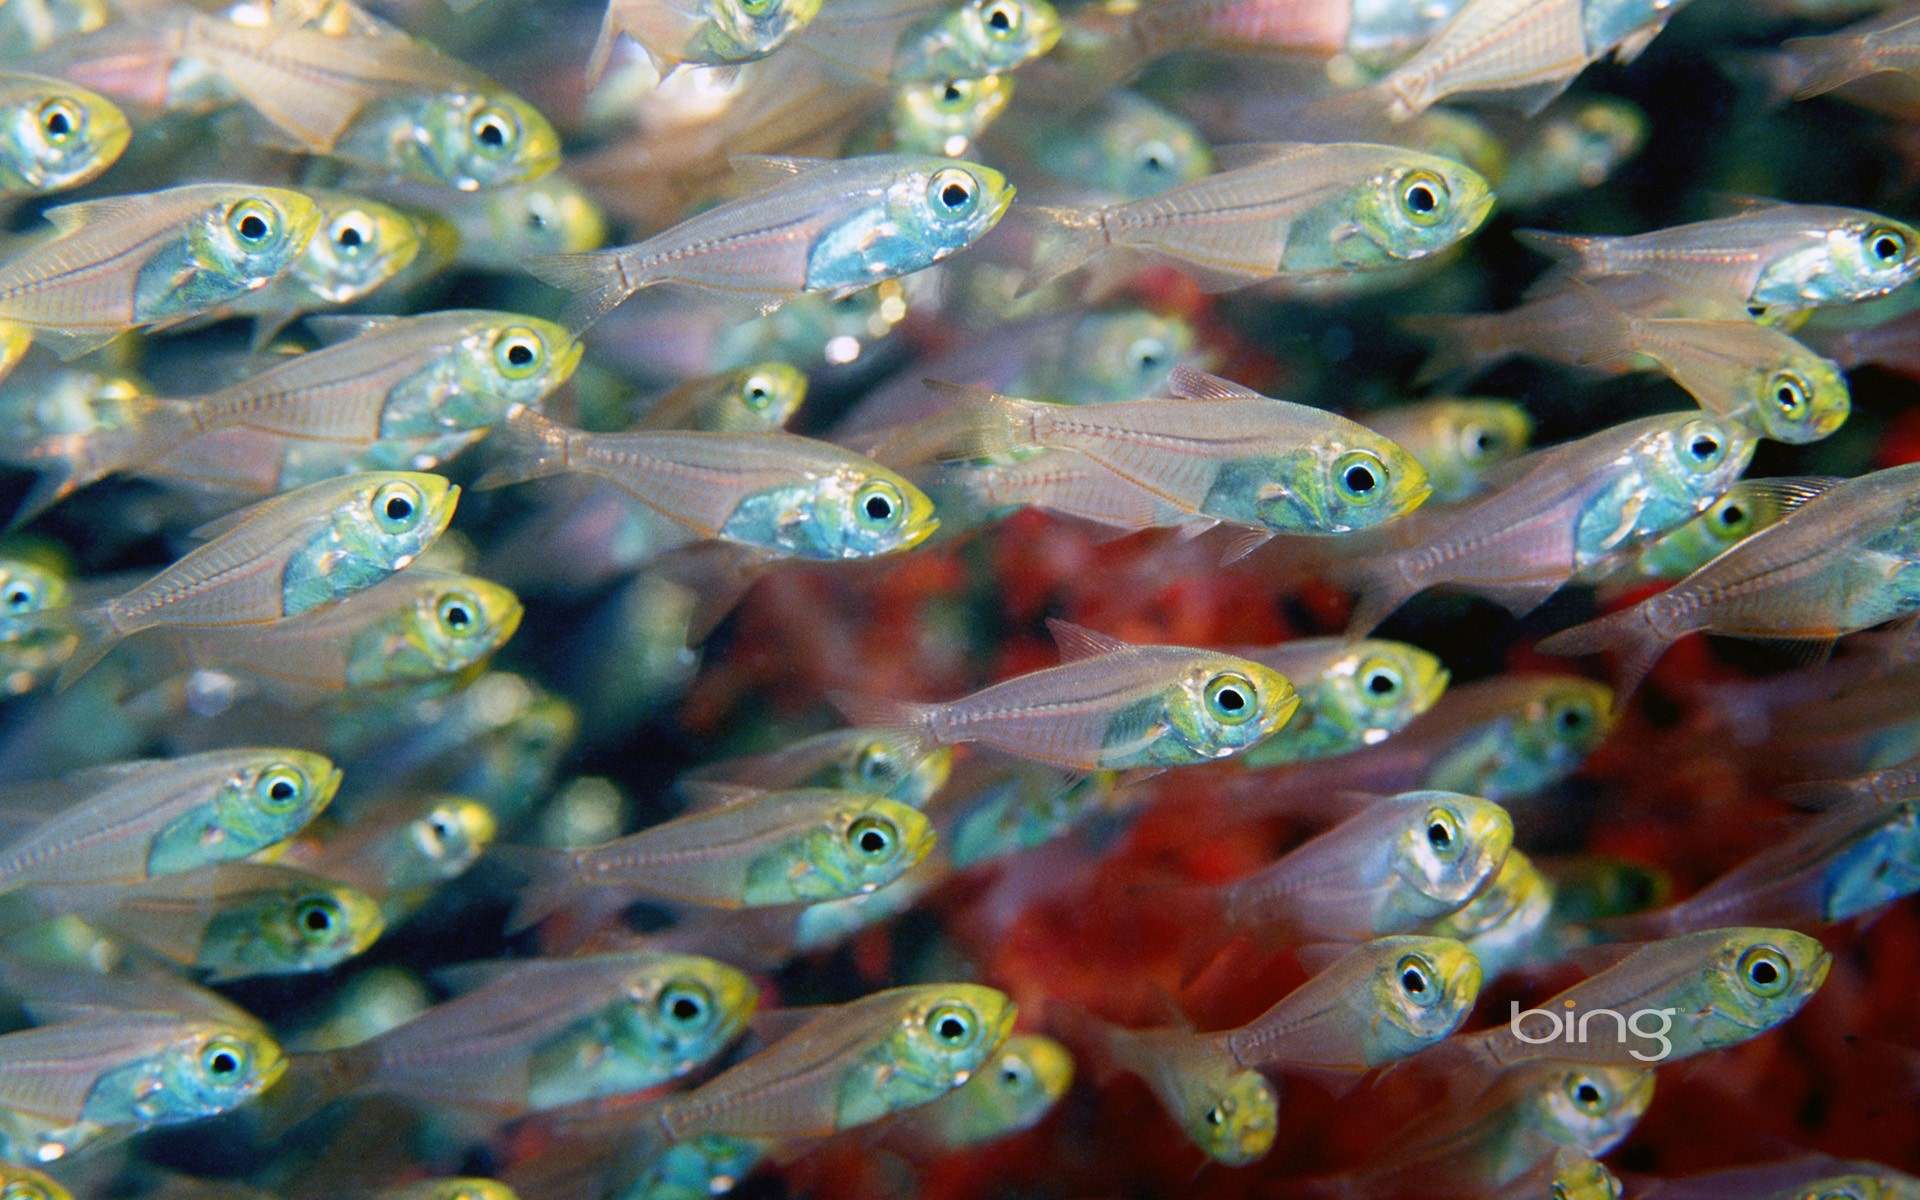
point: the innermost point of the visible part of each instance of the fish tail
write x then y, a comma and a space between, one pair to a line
64, 465
1462, 344
1630, 633
1065, 240
530, 446
598, 282
553, 876
1808, 67
1586, 254
1380, 587
98, 635
912, 723
973, 422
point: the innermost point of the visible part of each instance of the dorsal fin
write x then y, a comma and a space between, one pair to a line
71, 218
1236, 155
332, 330
758, 172
1188, 383
703, 795
1318, 956
1791, 491
1077, 642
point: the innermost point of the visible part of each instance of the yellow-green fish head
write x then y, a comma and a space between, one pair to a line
464, 621
1239, 1126
394, 515
506, 359
473, 140
268, 800
1424, 989
361, 245
319, 927
951, 1031
1759, 978
54, 135
874, 512
25, 1183
1856, 1187
1421, 206
1591, 1108
1024, 1081
1222, 705
1563, 723
15, 340
743, 30
680, 1010
1377, 687
1123, 355
977, 38
900, 768
1450, 133
1578, 1177
256, 236
1474, 437
1610, 131
1802, 400
1138, 150
1870, 256
466, 1187
452, 835
768, 394
1354, 479
546, 216
1454, 848
947, 116
868, 842
937, 205
28, 587
218, 1070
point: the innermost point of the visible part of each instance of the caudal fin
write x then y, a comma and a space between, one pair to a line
902, 718
552, 880
1463, 345
1630, 634
527, 446
1065, 239
1814, 66
598, 283
972, 422
65, 464
98, 635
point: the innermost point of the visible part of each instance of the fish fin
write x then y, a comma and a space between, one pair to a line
1380, 588
1463, 344
1824, 795
1065, 240
1316, 957
552, 878
705, 794
98, 636
758, 172
903, 718
72, 217
1243, 542
1191, 383
1331, 1080
1789, 492
1519, 598
312, 1083
70, 344
597, 281
603, 44
1077, 643
1582, 253
1629, 632
529, 446
975, 422
333, 328
1635, 44
1820, 64
716, 576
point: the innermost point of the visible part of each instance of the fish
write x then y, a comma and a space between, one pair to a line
759, 398
1572, 148
1027, 1076
501, 227
1555, 512
128, 262
920, 42
1109, 705
362, 244
1777, 258
1568, 1175
1813, 1175
279, 558
465, 1187
402, 851
945, 117
1011, 806
751, 849
15, 341
1230, 1113
135, 821
1835, 563
871, 761
773, 492
1370, 32
1508, 924
1353, 693
528, 1035
707, 33
1395, 867
58, 136
1278, 211
1459, 442
1214, 453
1125, 147
1868, 63
32, 648
805, 225
24, 1183
1748, 507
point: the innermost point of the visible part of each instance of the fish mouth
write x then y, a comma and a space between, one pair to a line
1000, 206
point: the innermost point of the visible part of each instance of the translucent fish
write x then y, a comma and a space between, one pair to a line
1026, 1078
1569, 1175
500, 228
946, 117
700, 32
15, 340
1772, 257
1394, 867
1459, 442
997, 809
856, 760
279, 558
25, 1183
57, 135
1214, 453
32, 649
135, 821
1838, 561
1748, 507
787, 496
754, 399
1525, 51
811, 225
460, 1188
1292, 211
28, 26
1352, 694
1230, 1113
1572, 148
1506, 924
757, 849
1110, 705
911, 41
532, 1034
1555, 512
1870, 64
151, 259
361, 245
402, 851
1819, 1176
1125, 147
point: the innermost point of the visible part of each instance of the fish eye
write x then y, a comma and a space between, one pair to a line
874, 838
518, 352
61, 119
1154, 155
280, 788
1443, 832
223, 1058
1765, 970
685, 1004
1586, 1094
1416, 980
397, 507
1230, 698
758, 392
1147, 353
1423, 197
1361, 475
876, 765
879, 503
253, 221
351, 231
22, 596
1731, 516
954, 192
1704, 445
1888, 246
758, 8
1002, 19
1217, 1115
1790, 393
458, 614
1380, 681
494, 130
1480, 442
1573, 718
317, 915
1014, 1073
953, 1025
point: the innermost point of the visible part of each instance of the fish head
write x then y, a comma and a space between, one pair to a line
1378, 686
1801, 399
505, 360
1024, 1080
394, 515
868, 842
1760, 977
893, 765
1462, 137
880, 512
1139, 149
255, 234
945, 205
15, 340
1870, 256
1590, 1108
1579, 1177
1418, 206
1560, 721
461, 1188
1742, 512
1223, 704
1684, 465
947, 116
451, 835
999, 35
319, 924
61, 136
473, 140
1453, 846
461, 620
1237, 1124
273, 794
361, 244
1477, 436
682, 1009
1122, 355
1348, 480
951, 1030
220, 1068
30, 587
742, 30
765, 395
552, 215
25, 1183
1606, 131
1421, 989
